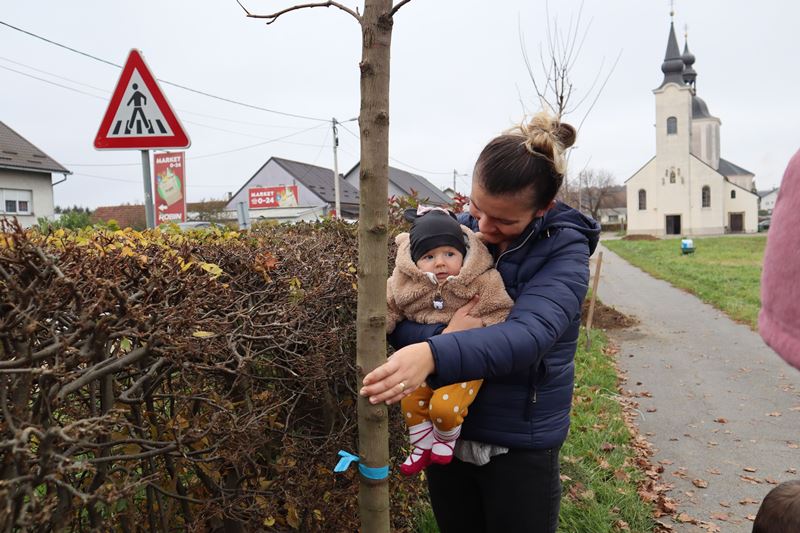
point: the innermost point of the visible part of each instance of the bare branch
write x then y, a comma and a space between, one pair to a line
398, 6
330, 3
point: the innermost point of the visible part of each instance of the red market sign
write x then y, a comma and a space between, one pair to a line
269, 197
170, 187
139, 115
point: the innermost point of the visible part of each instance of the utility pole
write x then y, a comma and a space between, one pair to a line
336, 196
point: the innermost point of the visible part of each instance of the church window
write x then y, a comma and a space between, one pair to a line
733, 194
706, 196
642, 199
672, 126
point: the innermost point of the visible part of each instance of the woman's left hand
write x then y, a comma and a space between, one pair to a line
400, 375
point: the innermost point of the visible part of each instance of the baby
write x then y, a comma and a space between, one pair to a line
440, 266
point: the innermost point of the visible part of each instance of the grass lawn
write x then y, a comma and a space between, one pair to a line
600, 490
724, 271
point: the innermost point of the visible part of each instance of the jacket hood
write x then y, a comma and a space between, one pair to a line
564, 216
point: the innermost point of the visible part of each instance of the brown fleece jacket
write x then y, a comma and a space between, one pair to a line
410, 291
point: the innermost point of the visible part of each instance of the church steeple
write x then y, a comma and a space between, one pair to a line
689, 74
672, 67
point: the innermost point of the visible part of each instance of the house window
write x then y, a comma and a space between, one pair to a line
16, 201
706, 196
613, 218
642, 199
733, 194
672, 126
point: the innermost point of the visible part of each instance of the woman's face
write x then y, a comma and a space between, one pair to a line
501, 218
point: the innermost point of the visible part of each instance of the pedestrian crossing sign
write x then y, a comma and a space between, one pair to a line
138, 116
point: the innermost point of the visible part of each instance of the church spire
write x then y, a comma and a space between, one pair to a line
672, 67
689, 74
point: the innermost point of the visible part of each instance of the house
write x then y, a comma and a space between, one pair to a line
402, 183
767, 199
126, 216
687, 187
612, 216
26, 179
290, 191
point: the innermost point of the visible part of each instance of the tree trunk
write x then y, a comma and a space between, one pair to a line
373, 431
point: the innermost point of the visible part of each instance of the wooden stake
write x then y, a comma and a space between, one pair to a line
591, 302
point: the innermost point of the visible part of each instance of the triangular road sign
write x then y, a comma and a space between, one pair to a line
139, 116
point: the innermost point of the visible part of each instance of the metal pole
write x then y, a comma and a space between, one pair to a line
149, 206
336, 169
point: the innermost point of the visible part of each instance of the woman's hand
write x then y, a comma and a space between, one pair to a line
463, 320
400, 375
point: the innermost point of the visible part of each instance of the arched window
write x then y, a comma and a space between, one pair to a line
672, 126
733, 194
706, 196
642, 199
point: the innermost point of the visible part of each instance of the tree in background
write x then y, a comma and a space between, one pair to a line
74, 217
376, 30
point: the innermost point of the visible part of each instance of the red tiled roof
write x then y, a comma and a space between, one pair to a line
126, 216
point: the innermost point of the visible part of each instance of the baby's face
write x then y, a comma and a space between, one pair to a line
443, 261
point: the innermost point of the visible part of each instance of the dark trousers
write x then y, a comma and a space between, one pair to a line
519, 491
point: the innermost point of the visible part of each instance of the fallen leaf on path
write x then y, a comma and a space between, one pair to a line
791, 470
651, 409
721, 420
685, 519
720, 516
666, 462
700, 483
751, 517
796, 408
725, 504
750, 469
745, 501
771, 481
713, 471
774, 413
793, 445
751, 479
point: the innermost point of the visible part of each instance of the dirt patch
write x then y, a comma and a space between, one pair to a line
606, 317
640, 238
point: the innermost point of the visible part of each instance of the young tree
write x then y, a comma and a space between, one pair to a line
376, 30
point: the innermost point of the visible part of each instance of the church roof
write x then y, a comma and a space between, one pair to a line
672, 67
699, 108
689, 74
726, 168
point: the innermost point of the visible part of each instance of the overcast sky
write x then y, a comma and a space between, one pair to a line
458, 78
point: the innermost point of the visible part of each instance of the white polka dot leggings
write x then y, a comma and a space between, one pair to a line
446, 407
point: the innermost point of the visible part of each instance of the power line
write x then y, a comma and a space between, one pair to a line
139, 181
400, 162
184, 87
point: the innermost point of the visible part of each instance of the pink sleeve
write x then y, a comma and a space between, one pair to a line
779, 319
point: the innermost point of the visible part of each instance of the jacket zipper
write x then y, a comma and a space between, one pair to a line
517, 247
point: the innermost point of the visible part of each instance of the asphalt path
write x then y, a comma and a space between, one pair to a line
721, 409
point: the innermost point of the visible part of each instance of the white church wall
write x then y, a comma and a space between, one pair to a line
706, 220
647, 221
745, 202
705, 140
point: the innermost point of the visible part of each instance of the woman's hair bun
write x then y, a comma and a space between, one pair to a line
547, 137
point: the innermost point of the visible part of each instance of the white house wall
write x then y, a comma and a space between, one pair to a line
41, 187
274, 175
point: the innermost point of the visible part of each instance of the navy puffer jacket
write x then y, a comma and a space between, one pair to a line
528, 362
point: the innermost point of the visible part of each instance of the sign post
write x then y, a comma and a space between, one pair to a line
139, 117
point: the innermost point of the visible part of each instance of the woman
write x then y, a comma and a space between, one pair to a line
505, 476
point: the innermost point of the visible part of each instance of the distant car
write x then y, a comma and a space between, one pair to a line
764, 224
196, 224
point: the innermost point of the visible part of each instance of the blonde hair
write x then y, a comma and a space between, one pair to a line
545, 136
527, 158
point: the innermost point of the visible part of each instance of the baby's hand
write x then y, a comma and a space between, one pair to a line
462, 319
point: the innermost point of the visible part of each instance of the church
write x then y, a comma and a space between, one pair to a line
687, 188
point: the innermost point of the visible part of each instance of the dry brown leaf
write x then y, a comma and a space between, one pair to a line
720, 516
607, 447
714, 471
751, 517
745, 501
721, 420
750, 469
774, 413
725, 504
700, 483
771, 481
685, 519
751, 479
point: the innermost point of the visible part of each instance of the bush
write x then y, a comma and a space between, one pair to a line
163, 381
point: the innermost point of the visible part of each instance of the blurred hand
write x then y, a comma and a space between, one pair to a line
462, 320
400, 375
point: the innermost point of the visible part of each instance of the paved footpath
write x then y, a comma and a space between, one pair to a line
718, 405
